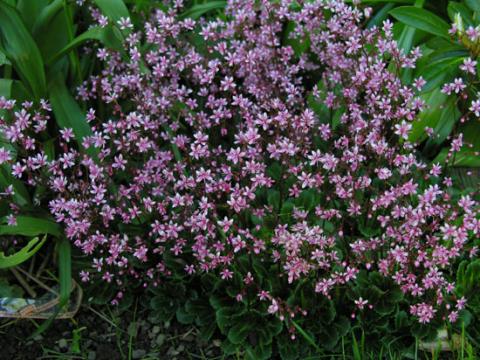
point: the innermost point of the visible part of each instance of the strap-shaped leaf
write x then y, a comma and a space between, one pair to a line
197, 11
68, 113
421, 19
107, 36
113, 9
30, 226
21, 50
23, 255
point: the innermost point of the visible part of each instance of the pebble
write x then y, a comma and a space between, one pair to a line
138, 354
62, 343
160, 340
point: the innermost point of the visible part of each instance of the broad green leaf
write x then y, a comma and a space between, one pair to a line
30, 226
458, 8
113, 9
463, 158
473, 4
428, 117
380, 15
46, 15
21, 50
68, 113
21, 196
437, 69
13, 89
198, 10
28, 9
421, 19
4, 60
109, 36
53, 37
467, 156
22, 255
444, 125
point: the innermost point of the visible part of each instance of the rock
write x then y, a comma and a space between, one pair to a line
160, 340
62, 343
138, 354
92, 355
217, 343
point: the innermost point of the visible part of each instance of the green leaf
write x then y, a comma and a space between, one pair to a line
109, 36
30, 226
238, 332
380, 15
428, 117
473, 4
463, 158
421, 19
458, 8
21, 50
27, 9
273, 199
64, 270
21, 195
4, 60
444, 125
306, 336
113, 9
46, 15
21, 256
68, 113
198, 10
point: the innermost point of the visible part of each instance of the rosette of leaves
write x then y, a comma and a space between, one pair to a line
388, 323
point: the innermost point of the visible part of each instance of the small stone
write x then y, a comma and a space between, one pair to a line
138, 354
217, 343
189, 338
92, 355
160, 340
62, 343
156, 329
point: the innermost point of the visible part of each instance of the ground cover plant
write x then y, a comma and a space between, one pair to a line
277, 179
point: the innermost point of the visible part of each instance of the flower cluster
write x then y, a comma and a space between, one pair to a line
243, 143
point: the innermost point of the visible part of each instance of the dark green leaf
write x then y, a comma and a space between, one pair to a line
473, 4
198, 10
68, 113
30, 226
113, 9
109, 36
22, 255
421, 19
21, 50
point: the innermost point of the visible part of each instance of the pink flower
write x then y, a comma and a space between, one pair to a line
402, 129
360, 303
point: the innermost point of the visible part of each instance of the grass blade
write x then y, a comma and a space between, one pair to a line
21, 50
